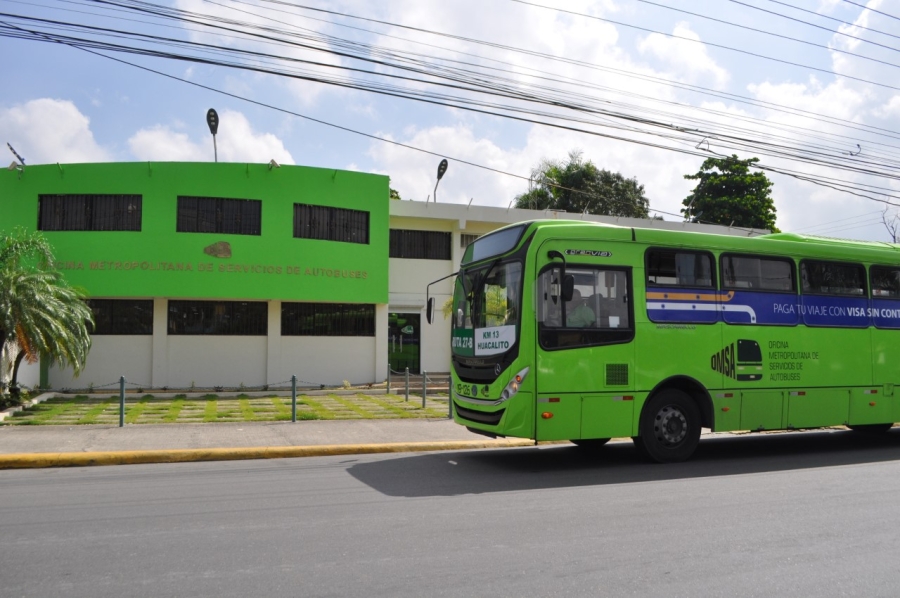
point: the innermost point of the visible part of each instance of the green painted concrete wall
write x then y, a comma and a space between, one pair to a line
159, 262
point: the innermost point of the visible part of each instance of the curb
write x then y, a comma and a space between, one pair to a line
41, 460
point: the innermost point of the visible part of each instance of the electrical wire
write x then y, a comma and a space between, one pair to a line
863, 6
707, 43
832, 31
830, 18
778, 35
466, 79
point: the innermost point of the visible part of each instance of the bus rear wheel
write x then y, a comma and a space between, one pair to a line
669, 428
590, 443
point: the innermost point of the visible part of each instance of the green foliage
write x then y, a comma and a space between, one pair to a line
395, 194
38, 308
577, 185
727, 193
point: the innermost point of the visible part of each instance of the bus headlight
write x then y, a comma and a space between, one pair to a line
513, 387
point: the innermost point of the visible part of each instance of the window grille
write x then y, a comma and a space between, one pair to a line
222, 318
89, 212
331, 224
466, 240
327, 319
122, 316
420, 244
219, 215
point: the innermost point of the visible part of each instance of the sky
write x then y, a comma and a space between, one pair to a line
648, 89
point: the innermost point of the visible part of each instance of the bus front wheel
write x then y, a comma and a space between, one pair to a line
669, 428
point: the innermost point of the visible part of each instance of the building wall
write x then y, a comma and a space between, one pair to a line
110, 357
158, 261
179, 362
203, 361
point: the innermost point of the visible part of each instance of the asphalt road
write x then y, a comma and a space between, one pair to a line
798, 514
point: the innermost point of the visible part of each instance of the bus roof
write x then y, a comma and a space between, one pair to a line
787, 244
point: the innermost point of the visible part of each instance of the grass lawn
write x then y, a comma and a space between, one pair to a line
81, 409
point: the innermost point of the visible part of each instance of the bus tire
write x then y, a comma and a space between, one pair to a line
669, 428
590, 443
871, 429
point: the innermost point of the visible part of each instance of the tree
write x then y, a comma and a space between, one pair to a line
579, 186
395, 194
891, 224
40, 314
727, 193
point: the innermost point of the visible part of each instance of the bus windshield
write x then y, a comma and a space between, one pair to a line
485, 310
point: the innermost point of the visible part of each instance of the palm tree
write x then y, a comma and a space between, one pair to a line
40, 313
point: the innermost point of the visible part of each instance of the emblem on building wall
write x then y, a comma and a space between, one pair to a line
221, 249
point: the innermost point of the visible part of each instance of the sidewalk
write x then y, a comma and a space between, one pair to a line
48, 446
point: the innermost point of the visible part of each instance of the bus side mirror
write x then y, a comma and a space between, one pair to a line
429, 310
568, 287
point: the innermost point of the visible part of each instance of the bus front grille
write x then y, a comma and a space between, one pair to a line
479, 416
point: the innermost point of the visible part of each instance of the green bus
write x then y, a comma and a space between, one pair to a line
565, 330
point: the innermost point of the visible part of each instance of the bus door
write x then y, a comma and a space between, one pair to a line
584, 350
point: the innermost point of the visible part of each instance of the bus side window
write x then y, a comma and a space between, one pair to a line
680, 268
885, 281
598, 314
758, 273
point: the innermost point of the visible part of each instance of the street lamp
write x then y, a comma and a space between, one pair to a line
442, 168
212, 119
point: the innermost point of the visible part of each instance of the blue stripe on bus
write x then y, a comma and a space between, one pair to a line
778, 309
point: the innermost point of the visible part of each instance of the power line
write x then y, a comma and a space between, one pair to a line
728, 140
778, 35
620, 72
396, 94
722, 46
863, 6
833, 31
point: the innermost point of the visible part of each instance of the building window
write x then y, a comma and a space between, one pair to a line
219, 215
327, 319
669, 267
222, 318
122, 316
331, 224
466, 240
832, 278
420, 244
89, 212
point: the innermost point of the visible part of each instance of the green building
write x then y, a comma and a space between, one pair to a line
213, 274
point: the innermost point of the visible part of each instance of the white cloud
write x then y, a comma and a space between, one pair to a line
688, 59
413, 174
47, 130
891, 109
236, 142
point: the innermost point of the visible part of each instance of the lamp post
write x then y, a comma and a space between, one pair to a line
442, 168
212, 119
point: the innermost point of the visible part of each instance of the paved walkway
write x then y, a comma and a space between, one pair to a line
61, 446
55, 439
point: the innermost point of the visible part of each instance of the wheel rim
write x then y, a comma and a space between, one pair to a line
671, 425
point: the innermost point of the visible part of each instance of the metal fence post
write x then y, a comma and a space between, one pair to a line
121, 401
424, 387
387, 389
449, 399
407, 385
293, 398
